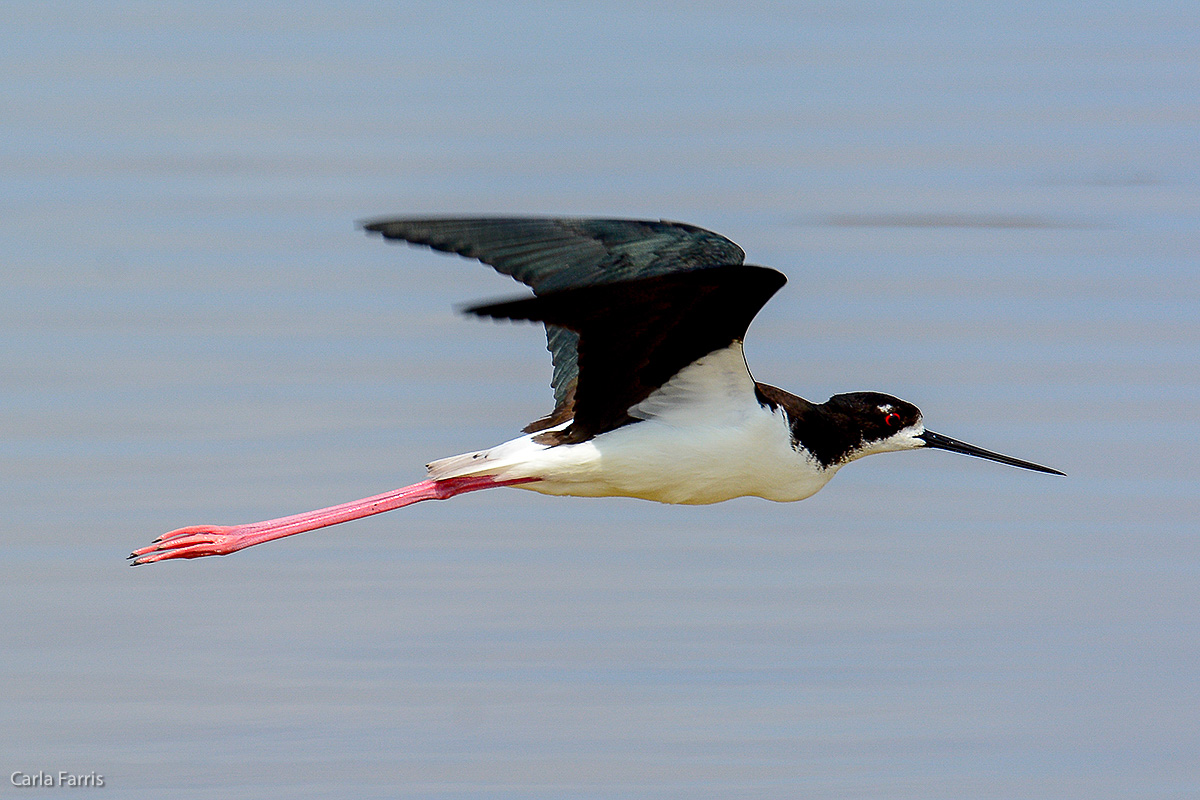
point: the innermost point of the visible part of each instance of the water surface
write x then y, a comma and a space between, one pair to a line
990, 213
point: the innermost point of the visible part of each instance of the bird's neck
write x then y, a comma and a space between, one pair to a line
814, 426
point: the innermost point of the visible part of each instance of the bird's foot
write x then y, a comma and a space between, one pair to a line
194, 541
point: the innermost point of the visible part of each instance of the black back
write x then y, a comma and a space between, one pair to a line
549, 254
634, 335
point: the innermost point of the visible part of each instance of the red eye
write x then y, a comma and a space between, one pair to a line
892, 420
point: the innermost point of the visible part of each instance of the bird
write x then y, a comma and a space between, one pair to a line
645, 322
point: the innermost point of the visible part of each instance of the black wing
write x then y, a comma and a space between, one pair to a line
634, 335
550, 254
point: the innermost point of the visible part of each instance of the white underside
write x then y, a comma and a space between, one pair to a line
703, 438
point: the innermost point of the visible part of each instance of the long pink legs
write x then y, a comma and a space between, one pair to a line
197, 541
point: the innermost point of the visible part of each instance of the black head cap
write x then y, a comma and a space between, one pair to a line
849, 426
875, 416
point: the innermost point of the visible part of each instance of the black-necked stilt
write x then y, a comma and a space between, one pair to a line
653, 398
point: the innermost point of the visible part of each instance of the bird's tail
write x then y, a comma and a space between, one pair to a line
476, 463
513, 459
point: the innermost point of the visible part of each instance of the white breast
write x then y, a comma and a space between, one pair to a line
656, 460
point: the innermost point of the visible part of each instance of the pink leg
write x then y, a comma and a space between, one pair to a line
197, 541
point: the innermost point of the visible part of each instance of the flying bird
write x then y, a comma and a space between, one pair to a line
652, 395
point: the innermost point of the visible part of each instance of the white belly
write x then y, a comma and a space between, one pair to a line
656, 460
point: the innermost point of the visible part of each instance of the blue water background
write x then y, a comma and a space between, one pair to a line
992, 211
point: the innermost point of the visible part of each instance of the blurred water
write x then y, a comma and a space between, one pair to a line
991, 212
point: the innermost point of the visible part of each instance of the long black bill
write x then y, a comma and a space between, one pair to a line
940, 442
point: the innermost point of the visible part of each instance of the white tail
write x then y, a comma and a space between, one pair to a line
459, 466
495, 461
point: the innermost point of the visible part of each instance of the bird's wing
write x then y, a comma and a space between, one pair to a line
549, 254
635, 335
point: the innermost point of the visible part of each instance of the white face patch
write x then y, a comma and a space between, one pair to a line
903, 439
